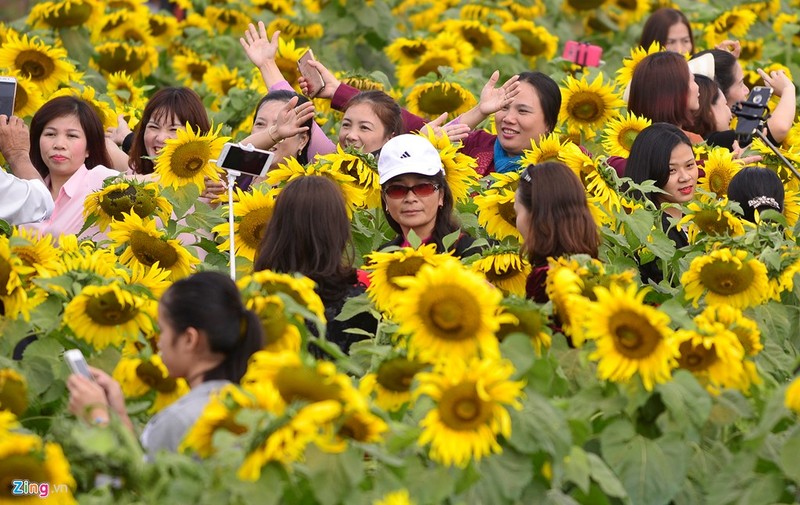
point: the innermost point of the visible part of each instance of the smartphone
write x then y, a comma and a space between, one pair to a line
245, 159
582, 53
77, 363
312, 75
8, 92
751, 113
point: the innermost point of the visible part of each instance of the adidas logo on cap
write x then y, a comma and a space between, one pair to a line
405, 155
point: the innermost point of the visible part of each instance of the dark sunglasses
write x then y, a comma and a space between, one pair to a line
421, 189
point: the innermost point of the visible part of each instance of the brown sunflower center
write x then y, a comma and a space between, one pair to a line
189, 159
507, 213
28, 255
13, 393
450, 313
300, 383
397, 374
407, 267
462, 409
148, 250
634, 337
529, 323
432, 65
74, 15
154, 377
274, 323
106, 310
355, 428
696, 358
20, 467
529, 43
586, 107
711, 222
438, 99
477, 36
627, 136
35, 64
585, 5
252, 226
121, 57
726, 278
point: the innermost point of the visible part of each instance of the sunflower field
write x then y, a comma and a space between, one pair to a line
611, 393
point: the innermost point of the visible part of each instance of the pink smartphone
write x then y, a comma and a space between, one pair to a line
582, 53
312, 75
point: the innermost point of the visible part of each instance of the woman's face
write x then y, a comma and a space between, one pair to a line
738, 91
523, 221
159, 128
63, 146
362, 128
414, 211
521, 122
693, 96
267, 117
722, 113
682, 176
678, 39
169, 346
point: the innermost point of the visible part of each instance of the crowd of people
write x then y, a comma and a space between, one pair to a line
64, 155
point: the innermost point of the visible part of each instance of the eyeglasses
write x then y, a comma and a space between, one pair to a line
422, 189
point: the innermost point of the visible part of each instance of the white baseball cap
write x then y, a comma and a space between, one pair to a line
408, 154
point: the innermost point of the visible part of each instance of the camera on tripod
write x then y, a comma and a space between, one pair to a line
751, 114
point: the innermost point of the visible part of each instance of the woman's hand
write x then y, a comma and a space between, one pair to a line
260, 49
117, 134
747, 160
330, 81
214, 188
292, 117
88, 400
493, 99
454, 131
732, 46
777, 80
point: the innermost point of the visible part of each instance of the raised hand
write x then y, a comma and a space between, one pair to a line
292, 117
732, 46
493, 99
777, 80
118, 133
257, 46
454, 131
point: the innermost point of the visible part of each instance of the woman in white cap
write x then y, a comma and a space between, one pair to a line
416, 197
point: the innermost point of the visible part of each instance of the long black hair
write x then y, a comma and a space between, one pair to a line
211, 303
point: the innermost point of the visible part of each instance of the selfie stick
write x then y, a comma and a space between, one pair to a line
760, 120
777, 152
232, 175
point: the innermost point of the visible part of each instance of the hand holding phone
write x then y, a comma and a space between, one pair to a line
8, 93
314, 81
77, 363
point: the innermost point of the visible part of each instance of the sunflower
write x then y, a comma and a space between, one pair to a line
405, 51
362, 167
430, 61
108, 315
487, 14
36, 250
128, 29
360, 426
13, 297
29, 96
287, 442
295, 28
631, 11
726, 276
297, 287
619, 134
232, 18
459, 168
190, 68
528, 319
752, 50
735, 22
45, 65
631, 337
547, 148
154, 279
391, 382
497, 215
25, 457
354, 196
119, 56
145, 244
124, 91
719, 168
62, 14
712, 219
220, 79
434, 98
252, 211
386, 268
504, 269
395, 498
219, 413
586, 107
476, 33
280, 334
119, 198
361, 82
715, 358
732, 319
535, 42
792, 398
286, 59
194, 22
471, 400
137, 377
625, 72
163, 27
13, 391
186, 159
448, 311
